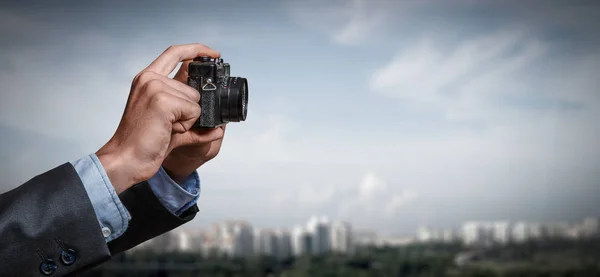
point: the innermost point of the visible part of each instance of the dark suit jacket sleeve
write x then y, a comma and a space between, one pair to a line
149, 218
52, 212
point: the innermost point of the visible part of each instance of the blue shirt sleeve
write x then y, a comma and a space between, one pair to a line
112, 215
175, 197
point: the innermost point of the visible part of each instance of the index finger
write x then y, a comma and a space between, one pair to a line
168, 60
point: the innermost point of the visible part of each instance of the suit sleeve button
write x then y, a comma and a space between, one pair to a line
68, 257
48, 267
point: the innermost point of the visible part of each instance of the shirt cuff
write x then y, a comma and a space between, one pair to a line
112, 215
177, 198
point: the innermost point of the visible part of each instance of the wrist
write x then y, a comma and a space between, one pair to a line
180, 172
116, 169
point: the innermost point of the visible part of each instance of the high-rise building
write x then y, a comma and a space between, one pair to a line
256, 241
232, 238
520, 232
341, 238
427, 234
283, 244
268, 242
224, 240
320, 231
557, 230
501, 232
298, 241
312, 228
478, 233
535, 231
473, 233
243, 240
307, 243
449, 236
590, 227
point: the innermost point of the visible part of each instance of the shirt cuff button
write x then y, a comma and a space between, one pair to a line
106, 232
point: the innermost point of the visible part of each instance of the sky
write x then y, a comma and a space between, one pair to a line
387, 114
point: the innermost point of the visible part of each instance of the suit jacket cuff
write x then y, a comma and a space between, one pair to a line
112, 215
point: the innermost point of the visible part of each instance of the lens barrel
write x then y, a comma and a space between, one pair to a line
234, 100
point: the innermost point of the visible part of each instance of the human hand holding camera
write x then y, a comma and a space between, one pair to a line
157, 127
184, 160
227, 99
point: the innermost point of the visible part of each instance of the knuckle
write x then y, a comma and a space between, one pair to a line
144, 77
172, 49
136, 79
154, 85
159, 100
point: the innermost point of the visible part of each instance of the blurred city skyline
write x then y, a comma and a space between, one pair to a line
320, 235
387, 114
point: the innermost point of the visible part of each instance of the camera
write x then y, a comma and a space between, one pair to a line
223, 98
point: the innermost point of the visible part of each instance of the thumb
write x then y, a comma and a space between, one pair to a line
184, 113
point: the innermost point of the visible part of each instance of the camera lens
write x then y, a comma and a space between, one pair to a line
234, 100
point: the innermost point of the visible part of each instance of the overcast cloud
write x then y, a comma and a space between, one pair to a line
389, 114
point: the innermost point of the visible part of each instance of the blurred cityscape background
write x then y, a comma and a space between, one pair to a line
324, 247
319, 235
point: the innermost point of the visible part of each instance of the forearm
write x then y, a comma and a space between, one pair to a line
181, 167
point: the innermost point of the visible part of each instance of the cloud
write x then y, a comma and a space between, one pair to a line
506, 82
370, 187
399, 201
381, 23
374, 198
511, 86
363, 201
514, 87
349, 23
363, 20
520, 111
468, 80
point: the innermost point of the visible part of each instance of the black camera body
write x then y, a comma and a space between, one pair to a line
223, 98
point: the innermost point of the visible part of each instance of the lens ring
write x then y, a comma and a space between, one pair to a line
234, 100
244, 100
234, 96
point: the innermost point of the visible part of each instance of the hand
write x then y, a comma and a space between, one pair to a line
157, 117
184, 160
